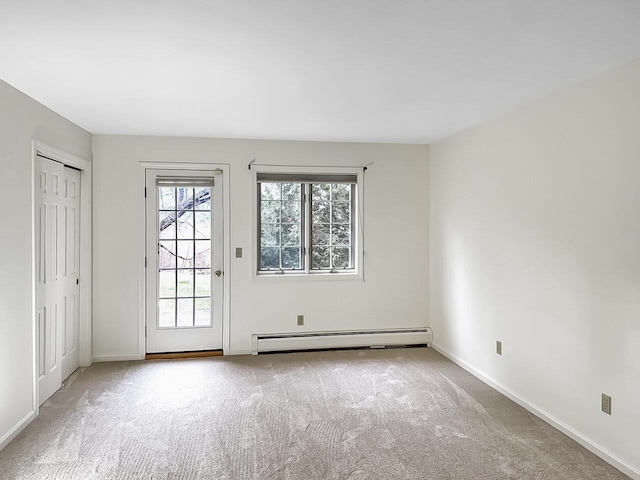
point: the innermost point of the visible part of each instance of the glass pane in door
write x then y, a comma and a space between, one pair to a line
184, 257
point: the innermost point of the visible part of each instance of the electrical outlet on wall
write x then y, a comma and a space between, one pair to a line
498, 347
300, 319
606, 404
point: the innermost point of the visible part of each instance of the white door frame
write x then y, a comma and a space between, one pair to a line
85, 317
226, 247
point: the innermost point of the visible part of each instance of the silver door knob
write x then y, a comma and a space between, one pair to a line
218, 273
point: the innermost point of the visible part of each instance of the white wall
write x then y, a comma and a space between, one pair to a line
21, 120
535, 241
394, 293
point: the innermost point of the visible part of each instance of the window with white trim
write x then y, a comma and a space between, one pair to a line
306, 223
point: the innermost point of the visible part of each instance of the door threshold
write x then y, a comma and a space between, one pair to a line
170, 355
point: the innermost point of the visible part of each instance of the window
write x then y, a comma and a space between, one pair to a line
184, 252
306, 223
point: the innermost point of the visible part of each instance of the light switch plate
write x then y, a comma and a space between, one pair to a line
238, 252
606, 404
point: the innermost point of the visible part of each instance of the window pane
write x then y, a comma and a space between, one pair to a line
270, 258
340, 192
185, 283
167, 198
167, 224
270, 211
320, 212
202, 198
340, 257
291, 235
320, 257
270, 235
185, 224
184, 198
341, 235
291, 257
203, 253
341, 212
185, 254
321, 191
203, 311
166, 313
321, 234
291, 212
270, 191
167, 255
203, 283
166, 283
185, 312
291, 191
203, 224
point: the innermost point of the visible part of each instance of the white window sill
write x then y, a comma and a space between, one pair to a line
338, 276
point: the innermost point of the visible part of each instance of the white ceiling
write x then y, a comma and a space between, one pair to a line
338, 70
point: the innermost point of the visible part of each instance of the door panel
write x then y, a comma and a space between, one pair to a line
49, 286
184, 248
71, 204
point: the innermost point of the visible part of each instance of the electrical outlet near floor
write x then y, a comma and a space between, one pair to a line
606, 404
498, 347
300, 319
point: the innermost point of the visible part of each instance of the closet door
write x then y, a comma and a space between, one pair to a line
50, 274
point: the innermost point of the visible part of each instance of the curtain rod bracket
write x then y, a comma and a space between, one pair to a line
251, 162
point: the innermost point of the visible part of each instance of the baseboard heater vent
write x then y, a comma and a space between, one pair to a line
340, 339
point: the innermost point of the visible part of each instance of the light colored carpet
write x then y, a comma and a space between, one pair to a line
357, 414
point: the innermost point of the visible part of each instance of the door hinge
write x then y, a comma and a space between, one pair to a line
145, 332
145, 262
145, 192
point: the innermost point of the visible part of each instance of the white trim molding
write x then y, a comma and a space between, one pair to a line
117, 358
590, 445
85, 341
21, 425
358, 172
225, 169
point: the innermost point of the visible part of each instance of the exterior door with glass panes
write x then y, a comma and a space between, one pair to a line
184, 261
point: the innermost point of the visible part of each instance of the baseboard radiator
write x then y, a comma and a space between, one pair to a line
284, 342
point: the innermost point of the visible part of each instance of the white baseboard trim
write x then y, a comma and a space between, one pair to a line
238, 351
118, 358
593, 447
21, 425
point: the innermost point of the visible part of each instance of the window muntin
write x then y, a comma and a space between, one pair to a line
281, 215
308, 225
332, 226
184, 256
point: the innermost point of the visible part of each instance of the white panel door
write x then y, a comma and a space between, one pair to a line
184, 261
49, 234
70, 324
